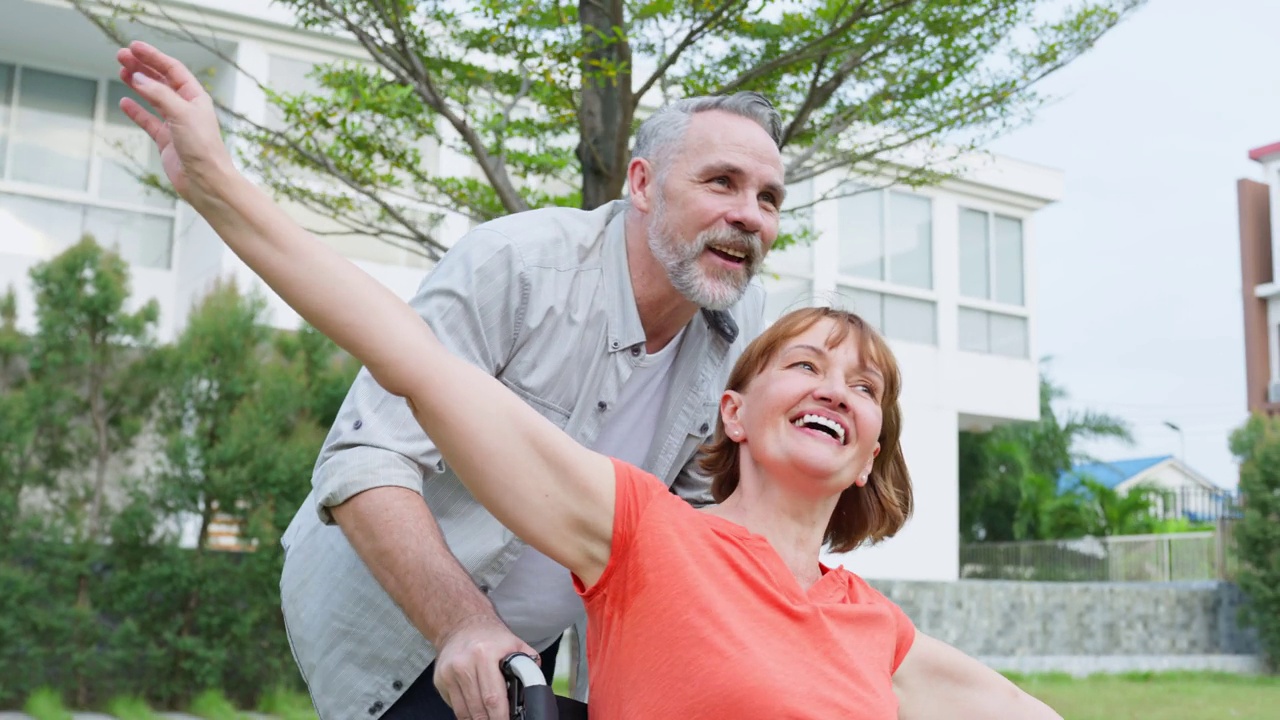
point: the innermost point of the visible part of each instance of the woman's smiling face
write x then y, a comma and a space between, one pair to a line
812, 414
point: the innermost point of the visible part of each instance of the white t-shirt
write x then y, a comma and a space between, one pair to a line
536, 599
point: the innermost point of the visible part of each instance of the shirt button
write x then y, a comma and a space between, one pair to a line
484, 588
705, 427
397, 685
614, 344
602, 406
635, 351
357, 425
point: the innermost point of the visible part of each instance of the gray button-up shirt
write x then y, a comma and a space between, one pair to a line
543, 301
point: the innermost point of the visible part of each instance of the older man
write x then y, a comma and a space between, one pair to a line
620, 325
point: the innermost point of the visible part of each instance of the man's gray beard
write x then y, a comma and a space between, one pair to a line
680, 259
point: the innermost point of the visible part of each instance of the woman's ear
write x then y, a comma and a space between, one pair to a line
865, 475
731, 415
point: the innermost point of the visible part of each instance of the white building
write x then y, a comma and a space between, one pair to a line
943, 271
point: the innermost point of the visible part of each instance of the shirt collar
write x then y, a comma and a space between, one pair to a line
624, 328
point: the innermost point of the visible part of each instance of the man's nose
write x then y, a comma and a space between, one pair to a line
746, 215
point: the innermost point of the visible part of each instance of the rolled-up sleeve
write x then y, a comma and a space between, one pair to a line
474, 300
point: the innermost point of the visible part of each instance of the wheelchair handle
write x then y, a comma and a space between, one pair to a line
528, 694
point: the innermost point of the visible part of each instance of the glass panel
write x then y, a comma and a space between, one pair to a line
143, 240
785, 294
910, 319
797, 259
974, 281
910, 240
127, 152
47, 227
1008, 335
868, 305
53, 134
973, 331
1008, 240
287, 76
6, 101
40, 227
861, 233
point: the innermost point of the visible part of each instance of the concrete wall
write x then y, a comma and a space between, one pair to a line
1082, 628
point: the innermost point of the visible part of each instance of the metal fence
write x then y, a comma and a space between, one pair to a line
1168, 557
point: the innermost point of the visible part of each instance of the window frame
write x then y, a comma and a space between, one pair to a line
809, 274
886, 287
988, 306
91, 195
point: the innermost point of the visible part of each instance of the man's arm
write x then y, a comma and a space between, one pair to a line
378, 459
936, 680
397, 537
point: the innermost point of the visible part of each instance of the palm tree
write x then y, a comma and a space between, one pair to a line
1130, 513
1008, 476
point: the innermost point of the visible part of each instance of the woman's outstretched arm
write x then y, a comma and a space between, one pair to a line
936, 680
555, 494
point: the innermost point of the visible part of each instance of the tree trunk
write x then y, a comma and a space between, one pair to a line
604, 118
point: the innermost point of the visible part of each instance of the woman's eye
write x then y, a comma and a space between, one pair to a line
806, 365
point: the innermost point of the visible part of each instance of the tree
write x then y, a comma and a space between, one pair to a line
241, 418
88, 393
1009, 475
543, 95
1257, 534
16, 421
1113, 513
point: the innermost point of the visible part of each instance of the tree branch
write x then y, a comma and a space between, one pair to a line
695, 33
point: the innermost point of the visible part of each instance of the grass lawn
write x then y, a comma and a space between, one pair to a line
1162, 696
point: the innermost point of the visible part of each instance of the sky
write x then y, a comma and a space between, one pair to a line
1137, 269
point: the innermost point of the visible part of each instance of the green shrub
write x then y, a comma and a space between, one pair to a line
213, 705
129, 707
287, 704
46, 704
1257, 533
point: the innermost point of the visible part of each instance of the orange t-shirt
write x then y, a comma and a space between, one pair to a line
696, 617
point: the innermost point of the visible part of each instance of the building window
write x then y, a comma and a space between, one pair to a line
6, 102
992, 313
788, 276
69, 160
887, 236
886, 262
895, 316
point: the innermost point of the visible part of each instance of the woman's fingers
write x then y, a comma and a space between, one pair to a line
174, 73
130, 64
151, 124
161, 96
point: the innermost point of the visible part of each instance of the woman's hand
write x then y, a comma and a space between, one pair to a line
186, 131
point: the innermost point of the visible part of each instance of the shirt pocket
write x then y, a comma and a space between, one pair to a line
702, 425
557, 415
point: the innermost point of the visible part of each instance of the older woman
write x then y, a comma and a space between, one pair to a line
806, 453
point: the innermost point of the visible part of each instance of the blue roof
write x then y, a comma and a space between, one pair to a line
1110, 474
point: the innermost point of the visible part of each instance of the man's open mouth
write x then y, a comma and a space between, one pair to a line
729, 254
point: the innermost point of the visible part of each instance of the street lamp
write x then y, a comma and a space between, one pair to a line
1182, 439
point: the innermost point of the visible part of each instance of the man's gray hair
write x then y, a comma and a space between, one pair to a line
662, 133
